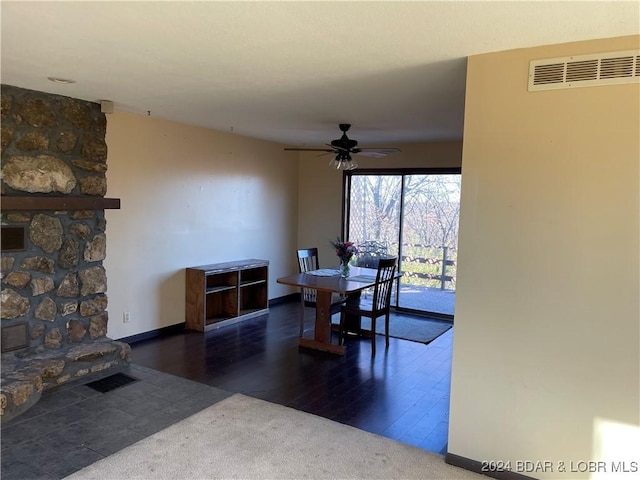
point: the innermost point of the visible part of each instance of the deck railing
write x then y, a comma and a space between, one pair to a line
426, 263
437, 268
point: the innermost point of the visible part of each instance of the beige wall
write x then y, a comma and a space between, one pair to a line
320, 192
190, 196
546, 344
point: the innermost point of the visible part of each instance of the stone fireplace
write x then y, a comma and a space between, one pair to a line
53, 299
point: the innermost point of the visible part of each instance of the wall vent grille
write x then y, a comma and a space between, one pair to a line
609, 68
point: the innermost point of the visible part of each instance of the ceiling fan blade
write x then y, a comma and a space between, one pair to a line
329, 150
376, 152
336, 148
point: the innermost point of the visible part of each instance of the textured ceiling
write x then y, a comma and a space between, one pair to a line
287, 71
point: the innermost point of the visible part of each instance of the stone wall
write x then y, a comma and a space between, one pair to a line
55, 146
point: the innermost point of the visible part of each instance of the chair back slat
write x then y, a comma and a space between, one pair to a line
308, 260
309, 295
384, 283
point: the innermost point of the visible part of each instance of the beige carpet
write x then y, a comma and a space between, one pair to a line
246, 438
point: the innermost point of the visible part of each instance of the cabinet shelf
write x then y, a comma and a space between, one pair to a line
221, 288
249, 283
223, 293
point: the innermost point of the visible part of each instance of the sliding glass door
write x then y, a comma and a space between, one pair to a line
413, 215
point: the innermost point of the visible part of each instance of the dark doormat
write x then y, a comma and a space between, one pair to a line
112, 382
408, 327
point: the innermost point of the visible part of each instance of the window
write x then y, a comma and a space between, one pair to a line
412, 214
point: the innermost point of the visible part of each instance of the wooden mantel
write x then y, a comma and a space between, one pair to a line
57, 203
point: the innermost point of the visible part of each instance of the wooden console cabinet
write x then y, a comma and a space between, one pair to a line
224, 293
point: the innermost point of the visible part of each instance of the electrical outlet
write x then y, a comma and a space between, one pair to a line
126, 316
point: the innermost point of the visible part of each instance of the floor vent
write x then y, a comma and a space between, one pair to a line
111, 382
609, 68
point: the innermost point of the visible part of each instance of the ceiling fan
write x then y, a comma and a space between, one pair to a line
344, 147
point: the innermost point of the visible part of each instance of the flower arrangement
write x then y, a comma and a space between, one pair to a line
344, 250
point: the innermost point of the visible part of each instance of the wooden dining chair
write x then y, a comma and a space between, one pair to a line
378, 305
308, 260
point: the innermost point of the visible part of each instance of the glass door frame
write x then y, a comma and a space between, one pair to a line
403, 172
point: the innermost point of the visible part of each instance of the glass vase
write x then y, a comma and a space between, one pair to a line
344, 268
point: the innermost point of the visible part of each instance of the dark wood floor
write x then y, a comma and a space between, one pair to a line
402, 393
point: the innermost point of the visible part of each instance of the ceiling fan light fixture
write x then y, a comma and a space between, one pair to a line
343, 161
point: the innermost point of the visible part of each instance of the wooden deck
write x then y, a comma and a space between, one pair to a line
427, 299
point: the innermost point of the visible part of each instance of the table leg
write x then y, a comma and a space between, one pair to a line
353, 322
322, 334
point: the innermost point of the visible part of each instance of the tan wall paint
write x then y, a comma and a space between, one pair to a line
320, 192
190, 196
546, 343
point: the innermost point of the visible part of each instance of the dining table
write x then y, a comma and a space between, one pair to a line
327, 282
